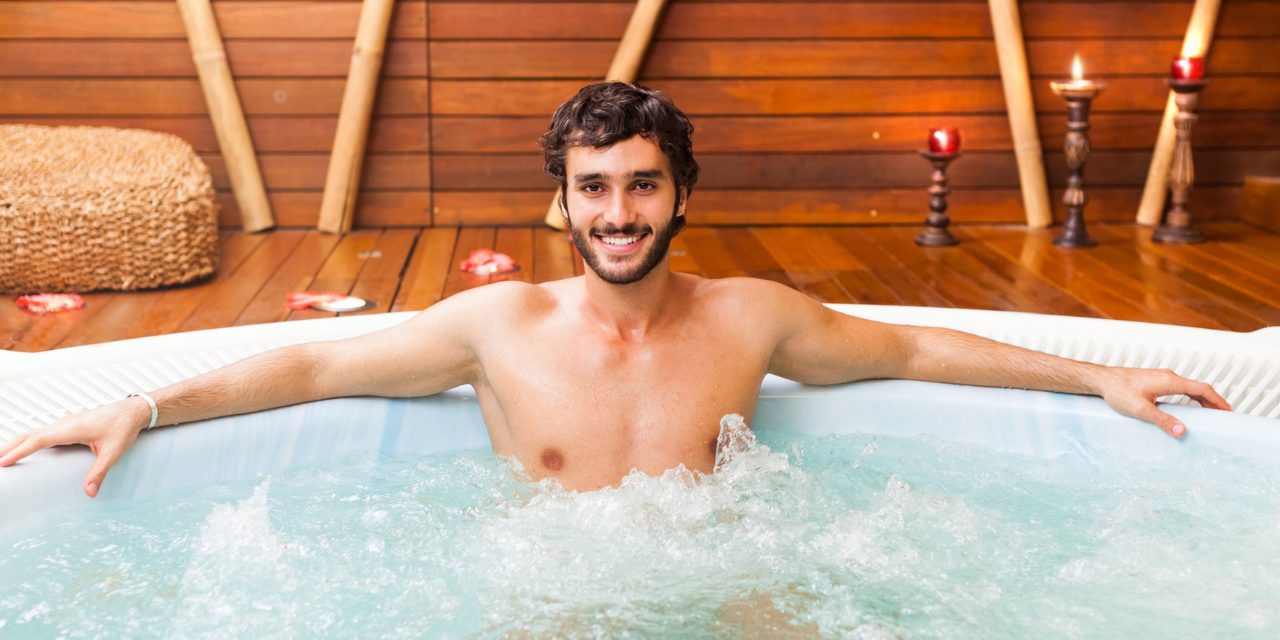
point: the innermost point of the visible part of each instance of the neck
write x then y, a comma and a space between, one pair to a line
628, 310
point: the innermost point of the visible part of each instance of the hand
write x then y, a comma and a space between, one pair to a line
109, 431
1133, 392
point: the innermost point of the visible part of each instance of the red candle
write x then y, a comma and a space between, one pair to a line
944, 140
1188, 68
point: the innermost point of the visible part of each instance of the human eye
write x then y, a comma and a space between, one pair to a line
592, 187
645, 185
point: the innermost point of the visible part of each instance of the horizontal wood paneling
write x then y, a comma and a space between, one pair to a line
817, 20
804, 111
885, 170
300, 19
307, 171
829, 206
128, 64
270, 133
172, 58
301, 208
833, 58
721, 134
283, 96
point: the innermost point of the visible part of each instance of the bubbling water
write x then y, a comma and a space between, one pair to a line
846, 536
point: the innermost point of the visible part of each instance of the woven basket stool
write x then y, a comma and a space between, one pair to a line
86, 208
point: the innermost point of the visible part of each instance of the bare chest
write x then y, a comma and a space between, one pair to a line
588, 413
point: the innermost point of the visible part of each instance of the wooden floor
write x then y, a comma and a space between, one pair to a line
1231, 281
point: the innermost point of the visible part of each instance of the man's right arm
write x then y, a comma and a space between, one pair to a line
427, 354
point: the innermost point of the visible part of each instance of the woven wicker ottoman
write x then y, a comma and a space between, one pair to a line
87, 208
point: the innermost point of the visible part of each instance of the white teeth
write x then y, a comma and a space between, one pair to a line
619, 241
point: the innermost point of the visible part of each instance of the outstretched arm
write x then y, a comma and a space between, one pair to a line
821, 346
425, 355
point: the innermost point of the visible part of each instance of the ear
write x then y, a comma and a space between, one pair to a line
684, 202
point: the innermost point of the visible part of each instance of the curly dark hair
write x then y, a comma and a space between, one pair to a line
604, 113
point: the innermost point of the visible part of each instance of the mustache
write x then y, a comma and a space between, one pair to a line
629, 229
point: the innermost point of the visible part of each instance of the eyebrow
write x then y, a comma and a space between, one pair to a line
644, 173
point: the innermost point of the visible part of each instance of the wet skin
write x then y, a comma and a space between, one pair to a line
586, 405
627, 367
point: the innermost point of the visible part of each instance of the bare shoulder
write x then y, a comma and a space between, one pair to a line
755, 297
494, 303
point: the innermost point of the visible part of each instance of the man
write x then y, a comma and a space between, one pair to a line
629, 366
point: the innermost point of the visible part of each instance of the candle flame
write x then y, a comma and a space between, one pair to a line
1077, 68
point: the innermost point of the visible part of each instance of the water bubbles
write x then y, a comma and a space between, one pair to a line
868, 537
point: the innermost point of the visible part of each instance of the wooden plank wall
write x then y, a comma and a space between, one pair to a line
806, 112
126, 63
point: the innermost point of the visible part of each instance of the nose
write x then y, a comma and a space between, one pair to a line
619, 209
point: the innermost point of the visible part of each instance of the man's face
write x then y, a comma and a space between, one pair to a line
621, 201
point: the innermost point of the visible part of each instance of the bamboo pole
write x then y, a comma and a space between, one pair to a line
626, 64
1194, 44
225, 112
1007, 25
342, 183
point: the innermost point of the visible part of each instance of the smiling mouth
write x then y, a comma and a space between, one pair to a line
621, 243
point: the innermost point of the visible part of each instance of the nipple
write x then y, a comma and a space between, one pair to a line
552, 459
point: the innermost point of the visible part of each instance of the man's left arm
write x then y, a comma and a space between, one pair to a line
823, 346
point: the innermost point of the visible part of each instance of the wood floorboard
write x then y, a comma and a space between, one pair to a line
294, 274
382, 268
553, 255
683, 260
1231, 281
469, 239
516, 242
174, 304
1151, 269
714, 257
1069, 270
906, 287
1241, 271
340, 269
925, 262
51, 329
1040, 295
429, 267
230, 296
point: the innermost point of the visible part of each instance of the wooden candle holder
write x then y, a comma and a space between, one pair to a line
935, 233
1079, 95
1176, 228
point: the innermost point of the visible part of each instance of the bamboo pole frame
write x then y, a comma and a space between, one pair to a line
228, 118
342, 183
1007, 25
1194, 44
626, 64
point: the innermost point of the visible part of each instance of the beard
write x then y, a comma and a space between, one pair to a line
657, 251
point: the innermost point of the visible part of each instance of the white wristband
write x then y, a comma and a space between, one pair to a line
155, 412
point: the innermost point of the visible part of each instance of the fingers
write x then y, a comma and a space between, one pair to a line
98, 470
10, 446
1166, 422
1201, 392
1208, 397
23, 446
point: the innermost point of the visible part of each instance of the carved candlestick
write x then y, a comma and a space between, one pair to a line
935, 232
1079, 95
1176, 227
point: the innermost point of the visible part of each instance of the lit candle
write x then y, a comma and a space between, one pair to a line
1077, 73
944, 140
1188, 68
